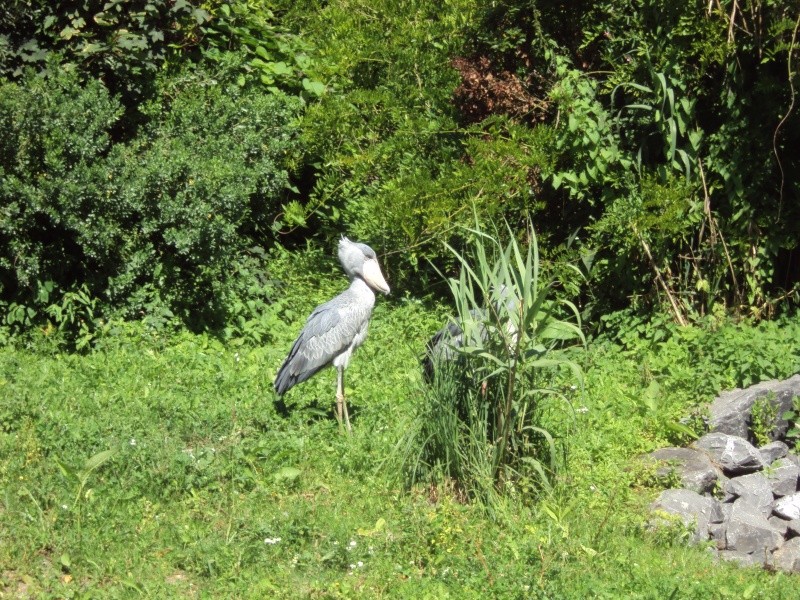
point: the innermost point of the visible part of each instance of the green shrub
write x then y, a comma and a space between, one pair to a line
204, 185
157, 223
763, 415
54, 139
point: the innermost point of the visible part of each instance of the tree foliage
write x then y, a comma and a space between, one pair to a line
122, 42
675, 125
148, 144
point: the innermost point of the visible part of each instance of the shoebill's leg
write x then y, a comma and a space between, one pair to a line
344, 405
339, 394
341, 403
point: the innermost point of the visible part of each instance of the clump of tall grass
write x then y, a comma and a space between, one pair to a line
479, 425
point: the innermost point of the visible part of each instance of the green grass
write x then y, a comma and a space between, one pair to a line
209, 493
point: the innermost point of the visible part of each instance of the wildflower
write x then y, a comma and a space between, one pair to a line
132, 442
272, 541
360, 564
352, 543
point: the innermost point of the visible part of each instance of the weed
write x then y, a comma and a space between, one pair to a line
793, 417
763, 416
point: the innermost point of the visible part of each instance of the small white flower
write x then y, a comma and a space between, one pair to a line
272, 541
132, 442
360, 564
236, 356
582, 410
65, 507
352, 566
352, 543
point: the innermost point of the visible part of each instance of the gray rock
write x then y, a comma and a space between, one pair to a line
787, 558
694, 510
758, 523
749, 531
730, 411
792, 528
745, 559
788, 507
754, 489
693, 467
783, 475
773, 451
717, 532
794, 459
779, 525
734, 454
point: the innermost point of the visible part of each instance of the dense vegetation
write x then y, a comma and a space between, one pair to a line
173, 178
653, 143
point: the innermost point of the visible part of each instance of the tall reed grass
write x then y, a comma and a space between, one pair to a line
479, 425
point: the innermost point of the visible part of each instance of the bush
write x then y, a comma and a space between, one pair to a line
204, 185
157, 223
54, 137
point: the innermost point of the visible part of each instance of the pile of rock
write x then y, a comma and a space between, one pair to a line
745, 500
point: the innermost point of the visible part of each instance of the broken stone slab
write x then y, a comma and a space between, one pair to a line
788, 507
787, 557
783, 475
794, 459
749, 531
716, 532
735, 455
754, 489
745, 559
730, 411
773, 451
694, 511
779, 525
693, 467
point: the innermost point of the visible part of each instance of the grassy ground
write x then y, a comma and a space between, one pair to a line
198, 488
